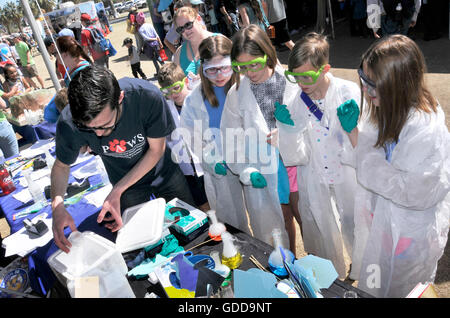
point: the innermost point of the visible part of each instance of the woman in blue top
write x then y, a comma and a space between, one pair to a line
201, 115
188, 24
72, 56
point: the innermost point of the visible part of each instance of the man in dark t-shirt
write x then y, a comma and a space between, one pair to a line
126, 123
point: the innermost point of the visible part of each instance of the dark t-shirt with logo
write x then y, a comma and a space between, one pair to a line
144, 114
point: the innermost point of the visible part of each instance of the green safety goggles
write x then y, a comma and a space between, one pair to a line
175, 88
305, 78
255, 65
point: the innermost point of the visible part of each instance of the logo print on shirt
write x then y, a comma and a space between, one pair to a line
117, 146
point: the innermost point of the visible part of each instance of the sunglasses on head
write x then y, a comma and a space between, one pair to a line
305, 78
186, 26
254, 65
175, 88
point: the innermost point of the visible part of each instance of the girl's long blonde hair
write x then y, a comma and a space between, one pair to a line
397, 66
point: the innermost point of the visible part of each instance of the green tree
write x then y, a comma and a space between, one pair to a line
5, 21
14, 13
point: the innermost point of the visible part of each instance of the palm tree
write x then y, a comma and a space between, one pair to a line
14, 14
45, 5
5, 21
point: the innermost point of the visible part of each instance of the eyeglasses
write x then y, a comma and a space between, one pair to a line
305, 78
213, 72
175, 88
255, 65
370, 86
85, 128
187, 26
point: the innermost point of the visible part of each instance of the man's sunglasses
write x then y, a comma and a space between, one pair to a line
85, 128
187, 26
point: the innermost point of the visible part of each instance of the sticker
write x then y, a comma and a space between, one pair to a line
16, 280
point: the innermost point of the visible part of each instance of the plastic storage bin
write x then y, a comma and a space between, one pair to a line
92, 255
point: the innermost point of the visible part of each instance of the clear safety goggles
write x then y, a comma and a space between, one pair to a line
254, 65
305, 78
175, 88
370, 86
212, 70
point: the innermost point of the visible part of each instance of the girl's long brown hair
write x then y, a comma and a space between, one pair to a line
397, 66
209, 48
253, 41
67, 44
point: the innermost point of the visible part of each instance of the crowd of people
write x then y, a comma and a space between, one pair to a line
364, 168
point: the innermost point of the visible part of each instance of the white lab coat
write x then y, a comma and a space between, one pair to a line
403, 207
224, 193
242, 113
180, 149
321, 178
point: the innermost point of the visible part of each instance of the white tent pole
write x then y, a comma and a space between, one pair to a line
38, 37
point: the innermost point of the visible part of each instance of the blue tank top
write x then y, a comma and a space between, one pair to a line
187, 65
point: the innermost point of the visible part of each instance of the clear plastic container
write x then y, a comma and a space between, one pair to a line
92, 255
142, 225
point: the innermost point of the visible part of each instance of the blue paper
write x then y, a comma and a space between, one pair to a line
255, 283
323, 269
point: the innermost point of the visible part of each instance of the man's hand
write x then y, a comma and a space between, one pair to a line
111, 205
62, 219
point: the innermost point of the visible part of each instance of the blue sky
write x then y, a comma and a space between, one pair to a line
2, 2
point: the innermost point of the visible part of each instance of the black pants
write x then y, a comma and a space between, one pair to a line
136, 68
175, 186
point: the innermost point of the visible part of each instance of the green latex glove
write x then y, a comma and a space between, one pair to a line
220, 168
348, 114
257, 179
282, 114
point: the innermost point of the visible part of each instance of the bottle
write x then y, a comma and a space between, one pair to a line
49, 159
6, 182
219, 268
230, 255
35, 191
276, 259
216, 228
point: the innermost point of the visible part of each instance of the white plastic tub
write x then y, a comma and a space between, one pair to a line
92, 256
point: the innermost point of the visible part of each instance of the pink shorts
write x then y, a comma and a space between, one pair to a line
292, 174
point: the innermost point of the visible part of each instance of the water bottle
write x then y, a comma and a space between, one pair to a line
35, 191
6, 182
49, 159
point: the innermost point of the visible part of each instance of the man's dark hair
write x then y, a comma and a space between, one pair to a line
90, 91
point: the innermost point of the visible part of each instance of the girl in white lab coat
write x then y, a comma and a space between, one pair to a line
201, 116
402, 165
311, 138
247, 121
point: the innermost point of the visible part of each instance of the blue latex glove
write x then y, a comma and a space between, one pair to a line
220, 168
348, 114
257, 179
282, 114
